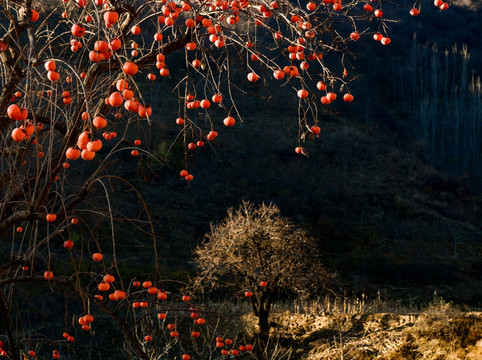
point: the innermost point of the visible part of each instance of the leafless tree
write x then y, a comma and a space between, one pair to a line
257, 251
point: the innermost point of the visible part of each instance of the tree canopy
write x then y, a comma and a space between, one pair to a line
259, 253
78, 81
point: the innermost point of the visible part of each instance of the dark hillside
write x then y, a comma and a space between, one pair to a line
383, 218
391, 208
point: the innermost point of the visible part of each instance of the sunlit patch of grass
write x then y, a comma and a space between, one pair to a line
439, 331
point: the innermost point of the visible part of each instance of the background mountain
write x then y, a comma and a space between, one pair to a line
391, 187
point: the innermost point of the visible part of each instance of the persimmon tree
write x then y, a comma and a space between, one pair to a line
259, 253
71, 103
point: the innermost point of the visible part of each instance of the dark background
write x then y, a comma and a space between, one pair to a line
391, 188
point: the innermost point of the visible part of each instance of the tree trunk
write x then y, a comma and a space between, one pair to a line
263, 310
263, 322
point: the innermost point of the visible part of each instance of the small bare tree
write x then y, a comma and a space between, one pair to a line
258, 251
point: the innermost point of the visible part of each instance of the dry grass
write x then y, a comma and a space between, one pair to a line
309, 332
470, 4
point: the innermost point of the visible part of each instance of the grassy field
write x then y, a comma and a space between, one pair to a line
371, 331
